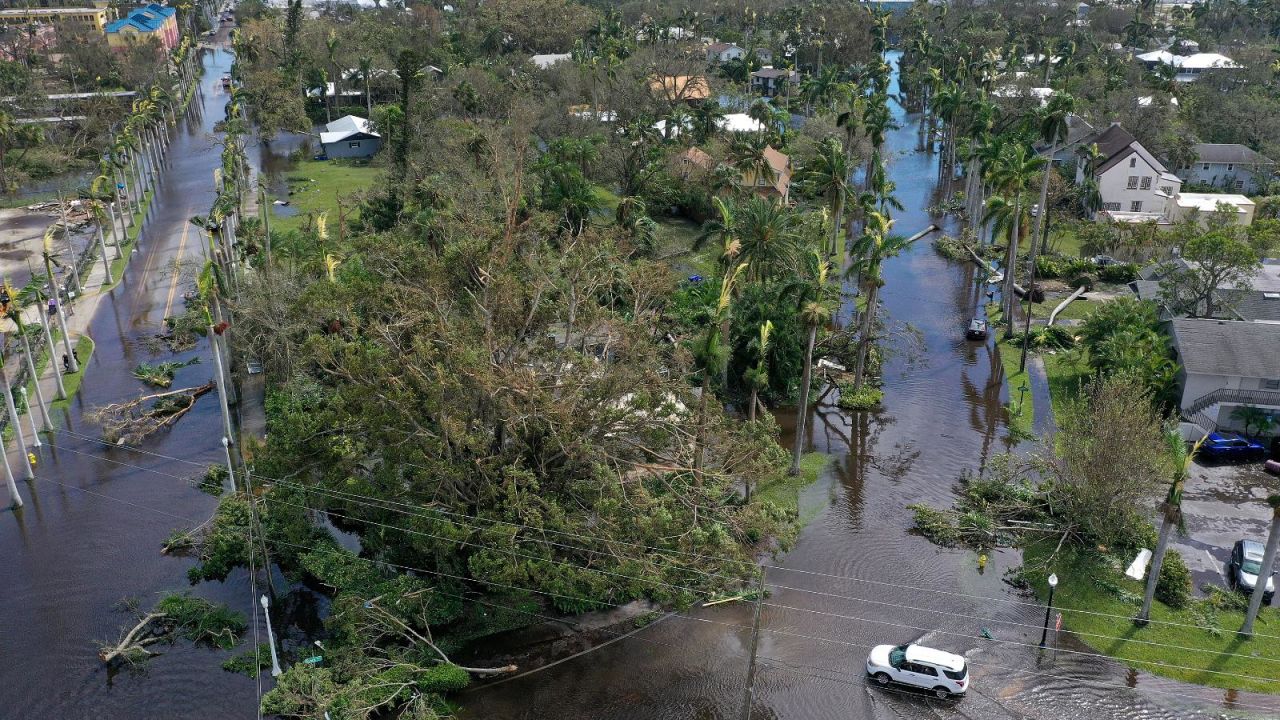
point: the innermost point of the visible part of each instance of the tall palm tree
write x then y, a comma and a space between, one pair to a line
724, 229
769, 233
712, 354
705, 121
366, 69
102, 190
758, 376
1171, 515
47, 253
828, 176
1268, 561
1053, 129
874, 247
815, 296
1011, 176
749, 156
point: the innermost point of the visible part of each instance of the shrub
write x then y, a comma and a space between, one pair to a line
1119, 273
1174, 586
1048, 338
865, 399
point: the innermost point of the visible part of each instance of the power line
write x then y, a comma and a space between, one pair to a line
417, 511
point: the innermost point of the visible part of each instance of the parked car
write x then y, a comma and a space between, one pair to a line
977, 330
1223, 447
943, 673
1244, 566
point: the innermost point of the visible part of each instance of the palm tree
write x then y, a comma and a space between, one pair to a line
814, 295
723, 228
1011, 177
1268, 561
768, 231
749, 156
712, 354
758, 377
366, 69
874, 247
47, 252
1171, 512
828, 176
102, 190
705, 121
1053, 129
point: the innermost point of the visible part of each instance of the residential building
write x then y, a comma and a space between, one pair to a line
350, 137
547, 60
1230, 167
1257, 300
1133, 184
1225, 364
97, 17
1188, 67
770, 81
1202, 206
720, 52
1077, 130
764, 55
776, 182
680, 88
149, 21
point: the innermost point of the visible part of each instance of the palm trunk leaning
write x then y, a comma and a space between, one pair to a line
868, 328
802, 412
1011, 257
1167, 524
1264, 573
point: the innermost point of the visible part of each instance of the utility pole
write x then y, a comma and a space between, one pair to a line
748, 693
13, 417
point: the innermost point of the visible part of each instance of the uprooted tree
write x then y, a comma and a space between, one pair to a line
175, 616
130, 422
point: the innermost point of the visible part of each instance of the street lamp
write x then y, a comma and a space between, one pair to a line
1053, 583
271, 638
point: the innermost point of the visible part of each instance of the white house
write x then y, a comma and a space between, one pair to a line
721, 52
1225, 364
1133, 184
1201, 206
547, 60
1230, 167
1188, 67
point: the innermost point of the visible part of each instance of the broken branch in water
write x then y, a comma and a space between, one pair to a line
128, 423
177, 615
160, 374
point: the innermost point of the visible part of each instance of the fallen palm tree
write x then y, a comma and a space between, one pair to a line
160, 374
129, 423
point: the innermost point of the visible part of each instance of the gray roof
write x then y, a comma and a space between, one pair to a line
1227, 347
1257, 305
1229, 153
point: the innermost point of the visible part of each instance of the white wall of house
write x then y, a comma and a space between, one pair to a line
1196, 386
1245, 179
733, 53
1134, 185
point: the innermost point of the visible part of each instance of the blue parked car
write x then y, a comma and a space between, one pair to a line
1223, 447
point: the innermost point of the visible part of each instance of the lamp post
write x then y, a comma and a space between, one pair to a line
271, 638
1053, 583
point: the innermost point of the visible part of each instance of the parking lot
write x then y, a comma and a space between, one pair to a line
1222, 504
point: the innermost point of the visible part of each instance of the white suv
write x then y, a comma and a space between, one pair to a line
918, 666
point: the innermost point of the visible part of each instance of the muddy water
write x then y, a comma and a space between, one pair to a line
857, 578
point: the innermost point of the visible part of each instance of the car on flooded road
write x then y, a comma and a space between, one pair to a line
1227, 447
942, 673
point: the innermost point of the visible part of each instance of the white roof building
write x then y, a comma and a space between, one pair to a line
545, 61
344, 127
1206, 204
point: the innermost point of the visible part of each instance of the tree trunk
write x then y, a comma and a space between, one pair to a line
802, 412
1264, 574
35, 380
868, 329
102, 245
1011, 257
751, 409
1157, 561
700, 431
368, 99
835, 231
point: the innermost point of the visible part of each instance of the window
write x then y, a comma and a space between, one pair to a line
1133, 162
1167, 190
1135, 206
353, 144
926, 670
1146, 183
1230, 167
1133, 182
1271, 384
1205, 167
1111, 206
1239, 184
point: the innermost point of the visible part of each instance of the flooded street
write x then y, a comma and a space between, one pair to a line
857, 578
90, 533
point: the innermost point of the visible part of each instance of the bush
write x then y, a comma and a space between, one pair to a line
1119, 273
1174, 586
865, 399
1048, 338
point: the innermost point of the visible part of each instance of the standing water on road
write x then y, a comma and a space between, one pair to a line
857, 577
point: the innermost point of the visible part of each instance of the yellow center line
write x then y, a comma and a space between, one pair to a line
177, 269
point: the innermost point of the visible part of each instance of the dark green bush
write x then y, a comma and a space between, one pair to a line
1174, 586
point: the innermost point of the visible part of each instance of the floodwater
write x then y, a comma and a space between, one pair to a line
90, 533
857, 577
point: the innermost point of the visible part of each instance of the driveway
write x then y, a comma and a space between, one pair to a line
1221, 504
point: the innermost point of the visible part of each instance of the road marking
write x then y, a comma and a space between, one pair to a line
177, 269
1218, 566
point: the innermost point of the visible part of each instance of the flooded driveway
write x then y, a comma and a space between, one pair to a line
857, 577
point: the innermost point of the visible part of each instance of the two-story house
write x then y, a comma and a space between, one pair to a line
1132, 183
1225, 364
770, 81
1229, 166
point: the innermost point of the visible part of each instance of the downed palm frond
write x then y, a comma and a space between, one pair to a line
161, 374
129, 423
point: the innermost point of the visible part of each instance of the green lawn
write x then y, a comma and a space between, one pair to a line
1213, 656
1078, 309
1067, 372
317, 186
84, 351
675, 242
1021, 405
784, 491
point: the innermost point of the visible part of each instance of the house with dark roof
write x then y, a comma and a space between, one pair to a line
1225, 364
1077, 130
770, 81
1255, 300
148, 21
1229, 166
1133, 184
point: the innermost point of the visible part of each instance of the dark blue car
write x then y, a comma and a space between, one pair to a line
1223, 447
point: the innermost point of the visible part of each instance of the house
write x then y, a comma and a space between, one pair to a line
97, 17
1202, 206
1257, 300
1187, 67
1077, 130
770, 81
1225, 364
680, 88
775, 183
1133, 184
149, 21
350, 137
1230, 167
720, 52
545, 61
764, 55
